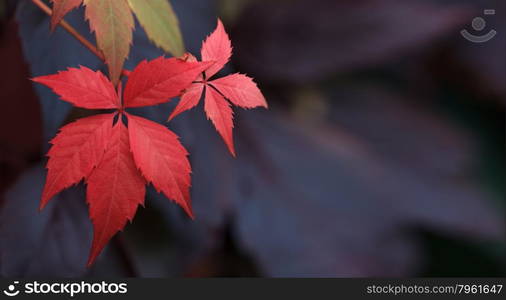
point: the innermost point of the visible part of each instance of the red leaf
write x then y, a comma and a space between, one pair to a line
157, 81
217, 47
82, 87
113, 22
115, 189
161, 159
76, 150
60, 9
240, 90
219, 112
189, 100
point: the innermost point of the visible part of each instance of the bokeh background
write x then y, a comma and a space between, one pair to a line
382, 153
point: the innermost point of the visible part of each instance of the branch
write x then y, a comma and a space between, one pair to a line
75, 34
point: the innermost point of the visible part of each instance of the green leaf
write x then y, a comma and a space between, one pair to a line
160, 23
113, 22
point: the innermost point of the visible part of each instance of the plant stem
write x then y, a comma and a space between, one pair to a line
75, 34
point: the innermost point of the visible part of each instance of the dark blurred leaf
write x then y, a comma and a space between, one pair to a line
339, 207
54, 242
441, 157
308, 40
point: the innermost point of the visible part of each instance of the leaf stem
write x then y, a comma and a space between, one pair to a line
75, 34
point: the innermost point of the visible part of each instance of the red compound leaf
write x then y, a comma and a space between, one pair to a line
239, 89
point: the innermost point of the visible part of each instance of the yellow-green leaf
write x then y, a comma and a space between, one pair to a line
113, 22
160, 23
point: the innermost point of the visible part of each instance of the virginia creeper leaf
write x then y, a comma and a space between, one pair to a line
115, 189
217, 47
219, 112
156, 81
112, 22
161, 159
82, 87
240, 90
160, 23
76, 150
60, 9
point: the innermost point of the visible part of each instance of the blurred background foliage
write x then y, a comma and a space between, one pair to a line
382, 153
